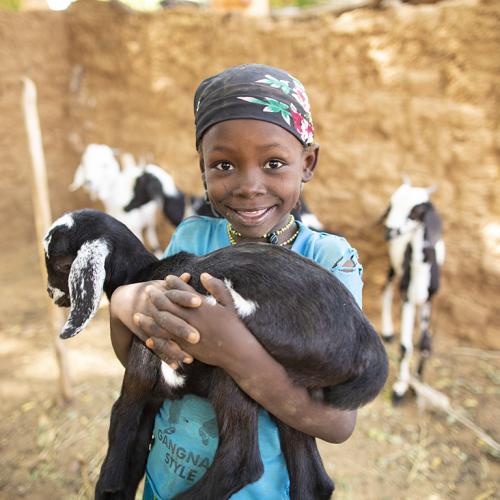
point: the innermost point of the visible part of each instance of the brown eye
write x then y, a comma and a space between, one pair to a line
224, 165
274, 164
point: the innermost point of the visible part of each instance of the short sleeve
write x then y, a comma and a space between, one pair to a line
350, 276
332, 252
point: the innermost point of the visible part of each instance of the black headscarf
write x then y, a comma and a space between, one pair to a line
257, 92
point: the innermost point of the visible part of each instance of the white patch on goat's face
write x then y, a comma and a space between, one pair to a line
243, 306
99, 170
171, 377
402, 202
55, 293
65, 220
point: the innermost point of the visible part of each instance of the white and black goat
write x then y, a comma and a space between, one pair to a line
413, 230
326, 345
99, 173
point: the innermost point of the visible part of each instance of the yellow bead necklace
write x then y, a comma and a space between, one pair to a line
271, 237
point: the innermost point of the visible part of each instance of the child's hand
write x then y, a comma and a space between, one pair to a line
184, 313
127, 302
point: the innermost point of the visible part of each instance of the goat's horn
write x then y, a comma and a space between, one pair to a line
86, 283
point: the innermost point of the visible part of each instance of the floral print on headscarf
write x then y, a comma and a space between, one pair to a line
302, 123
264, 93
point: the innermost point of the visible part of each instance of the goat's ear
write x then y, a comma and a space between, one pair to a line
431, 189
406, 179
433, 225
85, 282
78, 180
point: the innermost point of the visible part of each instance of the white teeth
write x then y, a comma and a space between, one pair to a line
252, 212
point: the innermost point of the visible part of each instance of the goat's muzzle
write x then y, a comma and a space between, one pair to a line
391, 233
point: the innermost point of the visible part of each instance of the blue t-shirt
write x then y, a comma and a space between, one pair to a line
185, 432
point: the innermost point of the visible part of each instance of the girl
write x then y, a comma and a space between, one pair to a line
254, 136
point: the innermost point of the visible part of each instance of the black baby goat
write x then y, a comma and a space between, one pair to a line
327, 345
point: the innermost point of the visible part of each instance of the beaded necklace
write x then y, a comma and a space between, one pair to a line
271, 237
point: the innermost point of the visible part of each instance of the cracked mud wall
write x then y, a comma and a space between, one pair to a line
412, 90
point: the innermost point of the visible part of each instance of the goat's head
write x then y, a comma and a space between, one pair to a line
75, 256
97, 171
406, 210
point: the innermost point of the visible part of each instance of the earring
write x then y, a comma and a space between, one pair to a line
207, 199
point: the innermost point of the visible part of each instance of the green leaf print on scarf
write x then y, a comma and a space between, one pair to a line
271, 106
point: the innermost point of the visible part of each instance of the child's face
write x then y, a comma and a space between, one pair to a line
253, 172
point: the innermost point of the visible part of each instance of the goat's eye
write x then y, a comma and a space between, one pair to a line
63, 266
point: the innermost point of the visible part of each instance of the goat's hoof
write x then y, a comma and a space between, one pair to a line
397, 399
388, 338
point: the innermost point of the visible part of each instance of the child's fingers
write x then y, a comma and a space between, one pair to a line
184, 299
217, 289
148, 326
168, 351
175, 326
162, 299
173, 282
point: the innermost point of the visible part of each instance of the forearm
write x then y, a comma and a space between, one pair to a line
268, 383
123, 305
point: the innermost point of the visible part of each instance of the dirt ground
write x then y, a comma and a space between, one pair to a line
53, 451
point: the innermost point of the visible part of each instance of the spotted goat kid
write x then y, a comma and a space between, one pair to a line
413, 230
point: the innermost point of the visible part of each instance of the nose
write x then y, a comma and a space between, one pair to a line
250, 183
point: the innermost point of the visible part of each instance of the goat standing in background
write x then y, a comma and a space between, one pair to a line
413, 230
100, 175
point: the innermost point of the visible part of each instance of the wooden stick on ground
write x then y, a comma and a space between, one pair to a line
441, 402
43, 220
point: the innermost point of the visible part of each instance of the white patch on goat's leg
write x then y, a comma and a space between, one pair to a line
171, 377
407, 322
243, 306
153, 240
425, 316
387, 326
425, 342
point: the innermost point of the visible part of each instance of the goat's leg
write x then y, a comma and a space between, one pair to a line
139, 458
113, 479
152, 238
308, 478
425, 342
386, 320
402, 383
137, 394
237, 460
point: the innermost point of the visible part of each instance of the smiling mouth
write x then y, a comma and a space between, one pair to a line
251, 216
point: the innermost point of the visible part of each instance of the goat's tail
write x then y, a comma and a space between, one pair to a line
368, 377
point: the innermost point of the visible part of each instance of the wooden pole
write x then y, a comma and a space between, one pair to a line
43, 220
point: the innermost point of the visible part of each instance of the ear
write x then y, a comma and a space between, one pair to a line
86, 283
78, 180
201, 163
310, 159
